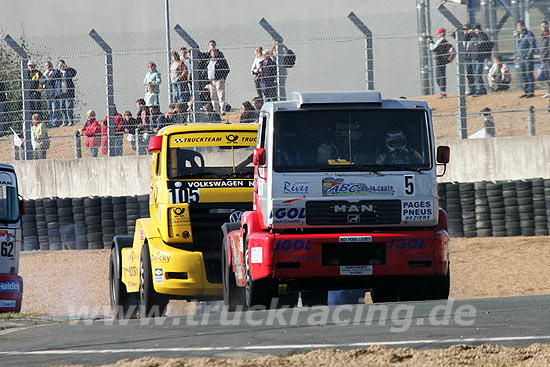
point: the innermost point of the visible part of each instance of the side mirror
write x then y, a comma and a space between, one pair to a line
21, 207
155, 144
259, 157
443, 154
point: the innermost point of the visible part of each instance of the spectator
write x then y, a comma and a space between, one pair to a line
258, 58
489, 123
282, 69
268, 77
153, 77
480, 50
499, 75
257, 103
177, 69
3, 99
40, 139
545, 53
185, 82
218, 69
525, 49
247, 113
130, 125
116, 139
142, 117
66, 102
51, 82
151, 97
156, 119
444, 54
179, 114
92, 130
209, 114
35, 89
468, 34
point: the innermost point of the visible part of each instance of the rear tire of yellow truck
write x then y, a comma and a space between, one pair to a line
152, 304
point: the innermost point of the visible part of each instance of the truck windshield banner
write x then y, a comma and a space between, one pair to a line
217, 138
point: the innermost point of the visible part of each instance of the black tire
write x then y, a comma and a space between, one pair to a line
123, 305
106, 208
92, 211
117, 200
94, 228
384, 294
131, 205
119, 216
95, 237
233, 296
257, 292
310, 299
92, 202
117, 208
152, 304
77, 202
105, 200
78, 210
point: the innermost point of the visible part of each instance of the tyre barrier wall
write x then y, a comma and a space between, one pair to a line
475, 209
80, 223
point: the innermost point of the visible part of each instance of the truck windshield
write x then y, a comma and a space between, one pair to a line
210, 162
351, 140
9, 205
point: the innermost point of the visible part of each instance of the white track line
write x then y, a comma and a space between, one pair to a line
278, 347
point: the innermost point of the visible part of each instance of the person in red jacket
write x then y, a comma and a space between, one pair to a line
92, 130
116, 140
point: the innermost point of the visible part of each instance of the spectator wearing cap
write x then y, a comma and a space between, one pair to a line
35, 89
444, 53
217, 71
67, 93
480, 50
525, 50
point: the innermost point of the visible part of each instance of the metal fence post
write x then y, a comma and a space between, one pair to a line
369, 58
279, 59
195, 74
462, 116
77, 145
137, 141
111, 108
531, 127
27, 152
424, 55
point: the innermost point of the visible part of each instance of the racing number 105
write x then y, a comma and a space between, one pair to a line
6, 249
184, 195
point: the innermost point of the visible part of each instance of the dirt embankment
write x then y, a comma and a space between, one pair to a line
64, 282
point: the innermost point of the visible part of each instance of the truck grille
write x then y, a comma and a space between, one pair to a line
334, 254
353, 213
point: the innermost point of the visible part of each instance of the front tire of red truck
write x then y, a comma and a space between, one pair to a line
232, 295
257, 292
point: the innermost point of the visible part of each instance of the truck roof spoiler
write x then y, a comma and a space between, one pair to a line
352, 97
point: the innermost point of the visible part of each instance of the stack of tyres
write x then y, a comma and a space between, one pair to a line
28, 226
107, 221
42, 225
496, 209
143, 201
79, 219
52, 220
467, 201
119, 215
442, 196
454, 210
66, 223
132, 213
482, 211
92, 209
524, 192
539, 207
511, 209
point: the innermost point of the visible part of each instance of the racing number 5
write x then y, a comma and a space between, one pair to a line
409, 185
7, 249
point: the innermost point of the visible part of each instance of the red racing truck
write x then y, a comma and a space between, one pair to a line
345, 196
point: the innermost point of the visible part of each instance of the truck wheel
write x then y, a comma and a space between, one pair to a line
441, 286
310, 299
123, 305
152, 304
385, 293
257, 292
232, 295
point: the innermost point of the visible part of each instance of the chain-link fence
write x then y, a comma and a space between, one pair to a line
350, 53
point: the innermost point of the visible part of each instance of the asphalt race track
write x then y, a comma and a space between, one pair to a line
517, 321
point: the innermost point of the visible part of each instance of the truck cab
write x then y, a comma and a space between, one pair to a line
11, 209
345, 197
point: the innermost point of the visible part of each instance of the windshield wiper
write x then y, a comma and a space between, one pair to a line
400, 168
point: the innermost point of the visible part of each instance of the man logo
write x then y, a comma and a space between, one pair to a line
354, 218
235, 216
232, 138
179, 211
353, 208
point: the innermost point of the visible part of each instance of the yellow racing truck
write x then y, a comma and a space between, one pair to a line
201, 178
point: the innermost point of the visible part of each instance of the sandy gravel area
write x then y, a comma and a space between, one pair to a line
62, 282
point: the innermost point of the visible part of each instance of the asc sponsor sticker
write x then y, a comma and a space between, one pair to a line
9, 286
417, 210
159, 279
7, 303
256, 255
356, 270
355, 239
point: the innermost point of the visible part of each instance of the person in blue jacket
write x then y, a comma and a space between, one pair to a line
525, 50
51, 83
66, 101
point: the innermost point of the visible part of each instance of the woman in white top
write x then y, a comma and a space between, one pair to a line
255, 67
